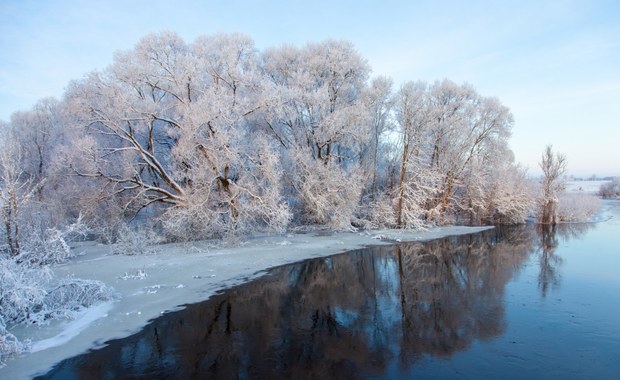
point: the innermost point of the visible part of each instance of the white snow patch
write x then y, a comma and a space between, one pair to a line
585, 187
140, 275
74, 327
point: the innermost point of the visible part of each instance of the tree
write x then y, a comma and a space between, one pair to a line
322, 123
16, 190
198, 136
412, 109
507, 195
467, 127
379, 101
553, 167
452, 139
169, 124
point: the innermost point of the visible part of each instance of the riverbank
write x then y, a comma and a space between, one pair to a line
173, 275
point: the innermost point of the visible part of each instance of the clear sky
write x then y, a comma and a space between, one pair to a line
555, 64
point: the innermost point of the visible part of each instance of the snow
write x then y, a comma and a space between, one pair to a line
74, 327
586, 187
174, 275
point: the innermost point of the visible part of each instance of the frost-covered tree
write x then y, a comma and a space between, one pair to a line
379, 102
466, 127
214, 137
37, 132
507, 195
170, 124
17, 189
451, 139
321, 122
417, 181
553, 183
40, 135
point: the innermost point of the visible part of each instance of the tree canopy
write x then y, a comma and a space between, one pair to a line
216, 138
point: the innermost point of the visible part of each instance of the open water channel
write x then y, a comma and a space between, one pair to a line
522, 302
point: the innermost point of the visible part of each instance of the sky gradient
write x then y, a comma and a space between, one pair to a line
555, 64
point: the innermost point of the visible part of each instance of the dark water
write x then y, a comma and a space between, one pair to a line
509, 303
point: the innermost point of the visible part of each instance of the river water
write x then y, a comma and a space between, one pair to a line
523, 302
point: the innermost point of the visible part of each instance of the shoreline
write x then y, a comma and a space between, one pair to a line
175, 275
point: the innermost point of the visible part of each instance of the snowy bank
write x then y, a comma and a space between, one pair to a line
175, 275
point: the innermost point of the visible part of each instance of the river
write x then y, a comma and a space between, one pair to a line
520, 302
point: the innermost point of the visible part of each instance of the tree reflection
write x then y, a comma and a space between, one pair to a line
347, 316
548, 239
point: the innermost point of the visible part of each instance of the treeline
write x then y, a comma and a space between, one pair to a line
215, 137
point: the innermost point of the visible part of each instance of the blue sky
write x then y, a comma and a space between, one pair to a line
555, 64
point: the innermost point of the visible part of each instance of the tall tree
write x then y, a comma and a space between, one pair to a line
379, 102
451, 138
323, 124
554, 168
17, 188
169, 123
416, 181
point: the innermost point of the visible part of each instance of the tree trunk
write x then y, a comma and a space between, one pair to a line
401, 182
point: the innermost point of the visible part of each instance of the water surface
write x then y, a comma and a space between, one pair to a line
520, 302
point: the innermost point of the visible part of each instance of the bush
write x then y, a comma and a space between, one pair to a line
378, 213
577, 207
135, 241
328, 193
610, 190
52, 245
9, 344
29, 295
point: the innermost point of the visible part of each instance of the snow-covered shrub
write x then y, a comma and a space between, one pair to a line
329, 194
73, 294
9, 344
510, 198
414, 195
202, 218
51, 246
135, 241
610, 190
577, 207
22, 290
377, 213
29, 295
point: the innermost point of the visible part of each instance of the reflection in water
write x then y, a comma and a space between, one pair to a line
548, 240
371, 312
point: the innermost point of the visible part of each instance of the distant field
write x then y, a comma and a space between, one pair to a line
589, 187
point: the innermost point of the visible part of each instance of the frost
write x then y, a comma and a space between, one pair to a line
72, 328
140, 275
135, 241
152, 289
610, 190
9, 344
576, 207
30, 295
